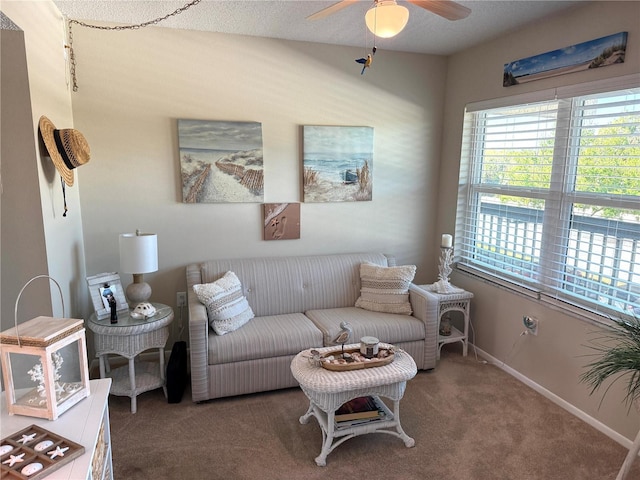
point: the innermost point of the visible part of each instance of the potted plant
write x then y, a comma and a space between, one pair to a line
618, 352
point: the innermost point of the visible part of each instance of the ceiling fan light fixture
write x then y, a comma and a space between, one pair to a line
386, 19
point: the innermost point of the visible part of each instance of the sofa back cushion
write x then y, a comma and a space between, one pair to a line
279, 285
386, 289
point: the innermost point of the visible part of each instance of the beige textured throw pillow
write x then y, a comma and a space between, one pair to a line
385, 289
227, 307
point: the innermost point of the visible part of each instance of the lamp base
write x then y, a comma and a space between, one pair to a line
138, 292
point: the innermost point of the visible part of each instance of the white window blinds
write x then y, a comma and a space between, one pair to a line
550, 198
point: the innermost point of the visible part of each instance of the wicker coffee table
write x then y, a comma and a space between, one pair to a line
327, 390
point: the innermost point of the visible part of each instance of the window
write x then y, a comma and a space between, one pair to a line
550, 199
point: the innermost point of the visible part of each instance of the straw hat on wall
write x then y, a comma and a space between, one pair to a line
67, 147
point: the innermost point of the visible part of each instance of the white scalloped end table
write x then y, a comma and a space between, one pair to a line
128, 338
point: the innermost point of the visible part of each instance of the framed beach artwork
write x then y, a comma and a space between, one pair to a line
337, 163
597, 53
281, 221
221, 162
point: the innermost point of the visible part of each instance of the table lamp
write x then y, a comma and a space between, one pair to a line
138, 255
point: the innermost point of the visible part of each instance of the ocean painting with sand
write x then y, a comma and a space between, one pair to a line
337, 163
221, 162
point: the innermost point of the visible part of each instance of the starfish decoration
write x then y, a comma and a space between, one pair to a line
13, 459
27, 438
58, 452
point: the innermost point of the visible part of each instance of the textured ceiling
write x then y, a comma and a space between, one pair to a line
286, 19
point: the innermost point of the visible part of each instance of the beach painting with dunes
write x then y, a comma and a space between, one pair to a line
221, 161
337, 163
601, 52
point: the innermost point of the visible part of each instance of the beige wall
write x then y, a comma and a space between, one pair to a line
555, 358
134, 85
36, 238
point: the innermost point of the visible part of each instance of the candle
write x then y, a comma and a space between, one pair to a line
447, 240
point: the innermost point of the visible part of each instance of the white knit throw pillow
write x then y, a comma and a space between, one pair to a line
385, 289
227, 307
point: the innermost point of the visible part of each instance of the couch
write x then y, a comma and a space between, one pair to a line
298, 303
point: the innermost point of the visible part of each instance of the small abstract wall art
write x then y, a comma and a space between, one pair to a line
597, 53
337, 163
221, 162
281, 221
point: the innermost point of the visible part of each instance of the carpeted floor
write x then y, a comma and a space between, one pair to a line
470, 421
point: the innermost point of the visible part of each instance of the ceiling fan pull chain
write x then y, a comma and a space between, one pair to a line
155, 21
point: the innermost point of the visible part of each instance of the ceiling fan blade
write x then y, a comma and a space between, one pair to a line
447, 9
325, 12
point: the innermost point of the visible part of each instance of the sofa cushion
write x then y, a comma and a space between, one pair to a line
386, 327
227, 307
265, 337
279, 285
385, 289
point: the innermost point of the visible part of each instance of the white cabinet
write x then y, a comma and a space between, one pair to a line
86, 423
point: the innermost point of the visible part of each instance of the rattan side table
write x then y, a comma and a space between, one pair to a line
459, 301
128, 338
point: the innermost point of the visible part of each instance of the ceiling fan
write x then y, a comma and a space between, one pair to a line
396, 16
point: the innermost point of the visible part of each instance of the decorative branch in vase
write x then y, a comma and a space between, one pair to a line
444, 266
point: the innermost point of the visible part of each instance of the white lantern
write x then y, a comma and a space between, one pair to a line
33, 354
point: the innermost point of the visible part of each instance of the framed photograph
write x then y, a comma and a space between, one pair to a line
221, 162
105, 288
337, 163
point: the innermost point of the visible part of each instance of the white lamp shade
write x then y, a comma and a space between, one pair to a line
386, 19
138, 252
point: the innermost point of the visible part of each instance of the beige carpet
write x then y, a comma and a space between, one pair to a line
469, 421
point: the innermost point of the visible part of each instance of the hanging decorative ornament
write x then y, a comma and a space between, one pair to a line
366, 62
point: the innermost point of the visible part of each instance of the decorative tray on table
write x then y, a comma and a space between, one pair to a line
354, 360
34, 452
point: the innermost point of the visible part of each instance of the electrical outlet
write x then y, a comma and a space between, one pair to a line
181, 299
531, 324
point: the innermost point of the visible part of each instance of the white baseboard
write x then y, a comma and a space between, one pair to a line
609, 432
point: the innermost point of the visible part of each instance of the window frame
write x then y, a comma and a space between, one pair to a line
556, 197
